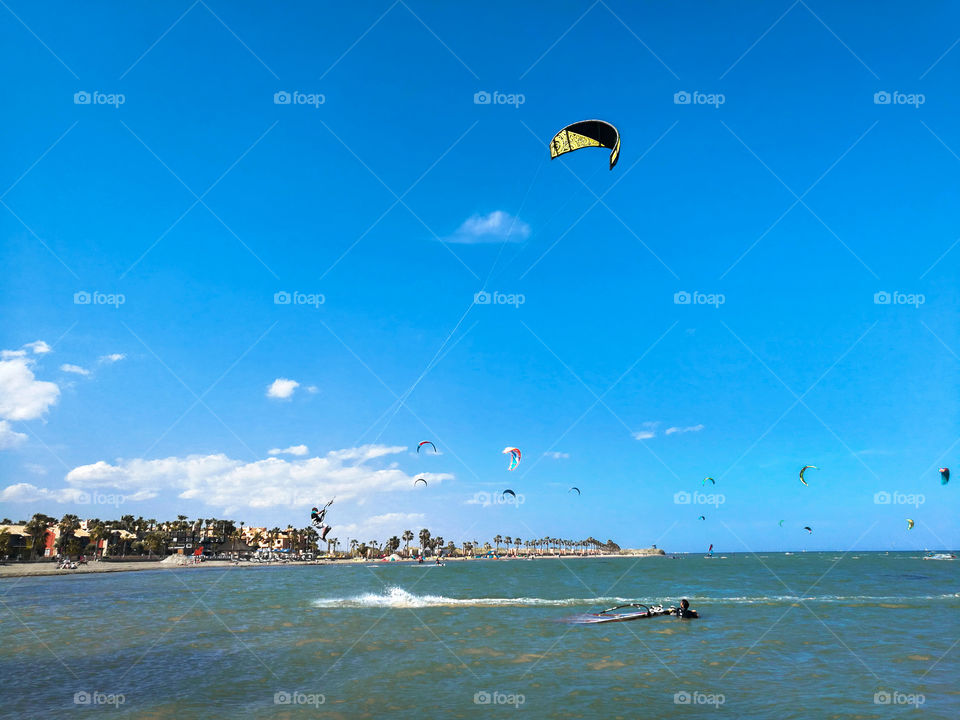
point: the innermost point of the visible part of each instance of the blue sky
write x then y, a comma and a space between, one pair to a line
788, 195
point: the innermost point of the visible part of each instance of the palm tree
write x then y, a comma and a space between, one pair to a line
517, 542
424, 540
508, 541
497, 540
407, 537
354, 543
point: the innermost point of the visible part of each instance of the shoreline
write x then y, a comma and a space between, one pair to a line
49, 569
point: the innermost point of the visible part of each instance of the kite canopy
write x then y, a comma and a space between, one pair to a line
710, 479
944, 475
419, 480
587, 133
426, 442
781, 523
804, 469
702, 517
909, 524
510, 492
808, 529
514, 454
574, 488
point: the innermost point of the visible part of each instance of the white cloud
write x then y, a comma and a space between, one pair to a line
38, 347
113, 357
312, 389
22, 396
649, 431
282, 388
690, 428
75, 369
497, 226
557, 455
222, 482
292, 450
9, 438
25, 492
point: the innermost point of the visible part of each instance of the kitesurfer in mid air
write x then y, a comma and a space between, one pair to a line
316, 517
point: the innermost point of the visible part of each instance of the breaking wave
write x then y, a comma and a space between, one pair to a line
397, 597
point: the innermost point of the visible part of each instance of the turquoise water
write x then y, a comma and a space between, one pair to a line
489, 637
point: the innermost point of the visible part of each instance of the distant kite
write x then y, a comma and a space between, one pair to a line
781, 523
944, 475
808, 529
702, 517
710, 479
426, 442
510, 492
587, 133
419, 480
574, 488
804, 469
514, 454
909, 524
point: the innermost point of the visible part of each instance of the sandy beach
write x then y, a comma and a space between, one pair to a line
14, 570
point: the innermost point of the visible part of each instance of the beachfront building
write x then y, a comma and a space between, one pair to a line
20, 544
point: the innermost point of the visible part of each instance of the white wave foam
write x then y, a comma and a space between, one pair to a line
396, 597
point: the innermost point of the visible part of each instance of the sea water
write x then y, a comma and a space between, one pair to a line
809, 635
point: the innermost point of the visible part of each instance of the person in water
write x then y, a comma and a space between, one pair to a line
684, 611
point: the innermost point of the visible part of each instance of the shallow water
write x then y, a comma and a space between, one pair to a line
813, 635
